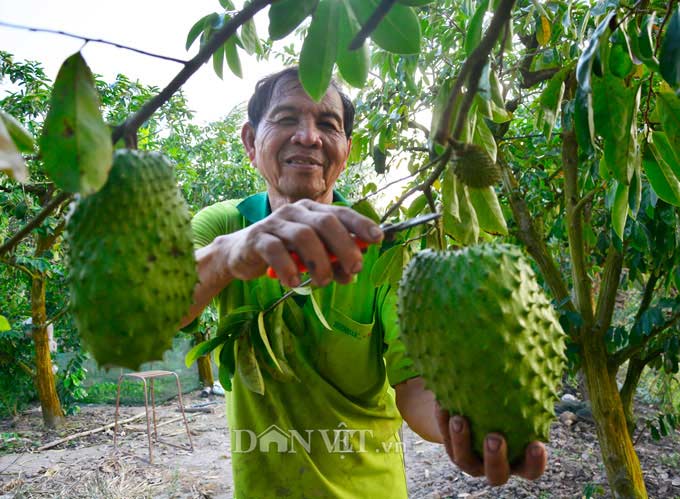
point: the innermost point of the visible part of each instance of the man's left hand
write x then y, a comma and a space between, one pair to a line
455, 431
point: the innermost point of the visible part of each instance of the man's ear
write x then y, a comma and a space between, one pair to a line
349, 151
248, 139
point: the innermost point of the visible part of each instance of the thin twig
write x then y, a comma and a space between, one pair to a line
46, 211
410, 175
94, 40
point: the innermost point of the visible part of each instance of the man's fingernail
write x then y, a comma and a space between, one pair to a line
493, 444
375, 232
356, 268
457, 424
536, 451
294, 281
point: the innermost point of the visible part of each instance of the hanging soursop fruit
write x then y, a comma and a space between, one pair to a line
132, 268
474, 167
485, 339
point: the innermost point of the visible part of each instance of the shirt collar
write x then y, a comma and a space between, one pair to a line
256, 207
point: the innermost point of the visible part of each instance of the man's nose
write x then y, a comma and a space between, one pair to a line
307, 134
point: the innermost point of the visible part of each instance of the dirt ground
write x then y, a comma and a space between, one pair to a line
90, 467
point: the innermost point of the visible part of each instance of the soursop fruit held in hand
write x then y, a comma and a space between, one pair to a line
485, 339
132, 268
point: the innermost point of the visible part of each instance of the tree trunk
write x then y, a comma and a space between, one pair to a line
53, 415
633, 373
621, 462
205, 373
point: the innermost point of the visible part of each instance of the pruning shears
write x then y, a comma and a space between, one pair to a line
389, 229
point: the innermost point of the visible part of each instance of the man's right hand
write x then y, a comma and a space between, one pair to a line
310, 229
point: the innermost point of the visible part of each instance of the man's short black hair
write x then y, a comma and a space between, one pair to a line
261, 98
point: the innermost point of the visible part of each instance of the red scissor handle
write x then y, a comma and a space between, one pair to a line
361, 244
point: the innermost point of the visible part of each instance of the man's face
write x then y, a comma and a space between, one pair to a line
299, 146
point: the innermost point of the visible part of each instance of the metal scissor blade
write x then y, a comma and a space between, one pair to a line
390, 229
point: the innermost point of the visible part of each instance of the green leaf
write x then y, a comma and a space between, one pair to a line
667, 163
549, 103
233, 60
22, 138
398, 32
473, 34
635, 192
227, 363
319, 313
620, 208
614, 107
227, 5
415, 3
218, 60
198, 28
583, 120
417, 206
251, 42
246, 363
76, 143
353, 64
11, 161
668, 107
620, 63
203, 348
666, 187
303, 290
664, 151
669, 55
265, 340
449, 196
319, 49
465, 230
488, 210
484, 137
4, 324
366, 209
585, 62
388, 268
643, 45
286, 15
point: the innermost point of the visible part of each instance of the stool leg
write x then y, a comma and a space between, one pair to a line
153, 410
148, 423
115, 420
181, 407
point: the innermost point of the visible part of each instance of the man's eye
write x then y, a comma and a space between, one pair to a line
328, 124
287, 120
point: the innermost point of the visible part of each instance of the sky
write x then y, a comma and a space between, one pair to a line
158, 26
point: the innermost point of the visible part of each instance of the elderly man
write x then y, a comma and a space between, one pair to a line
335, 432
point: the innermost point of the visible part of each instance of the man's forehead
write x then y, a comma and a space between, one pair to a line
289, 90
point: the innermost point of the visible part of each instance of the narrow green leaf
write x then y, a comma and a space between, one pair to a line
635, 192
76, 143
465, 230
449, 196
303, 291
233, 60
11, 162
4, 324
484, 137
319, 49
353, 64
286, 15
668, 107
417, 206
585, 62
319, 313
664, 151
669, 55
218, 60
614, 107
549, 102
265, 340
473, 33
488, 210
227, 363
366, 209
399, 31
246, 363
388, 268
225, 377
620, 208
227, 5
198, 28
583, 120
22, 138
415, 3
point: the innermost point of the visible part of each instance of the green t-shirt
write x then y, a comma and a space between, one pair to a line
333, 434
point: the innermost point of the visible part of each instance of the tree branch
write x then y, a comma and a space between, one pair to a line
132, 124
623, 355
606, 299
13, 263
371, 23
39, 218
472, 65
94, 40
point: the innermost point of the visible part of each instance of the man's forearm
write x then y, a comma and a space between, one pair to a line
417, 406
213, 276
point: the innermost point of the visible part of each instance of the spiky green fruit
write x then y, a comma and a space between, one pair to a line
485, 339
474, 167
132, 268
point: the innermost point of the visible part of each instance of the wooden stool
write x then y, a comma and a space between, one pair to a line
151, 375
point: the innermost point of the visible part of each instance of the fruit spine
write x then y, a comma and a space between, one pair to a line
132, 268
486, 340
